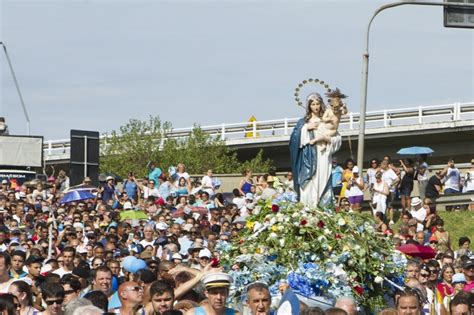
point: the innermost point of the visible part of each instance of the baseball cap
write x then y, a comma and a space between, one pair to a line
459, 278
205, 253
161, 226
179, 221
177, 256
187, 227
249, 196
468, 263
355, 169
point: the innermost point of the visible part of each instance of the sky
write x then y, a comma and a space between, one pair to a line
94, 65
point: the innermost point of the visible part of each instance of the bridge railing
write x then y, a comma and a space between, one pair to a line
283, 127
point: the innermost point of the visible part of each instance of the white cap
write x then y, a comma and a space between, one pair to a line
108, 178
205, 253
161, 226
4, 181
355, 169
127, 205
82, 250
187, 227
249, 196
177, 256
78, 225
239, 220
217, 280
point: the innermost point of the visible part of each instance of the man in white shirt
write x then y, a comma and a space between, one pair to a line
392, 180
68, 262
451, 180
206, 183
418, 212
238, 200
5, 265
149, 239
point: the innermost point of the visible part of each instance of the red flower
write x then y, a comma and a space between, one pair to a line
275, 208
241, 241
303, 222
321, 224
359, 289
214, 262
338, 236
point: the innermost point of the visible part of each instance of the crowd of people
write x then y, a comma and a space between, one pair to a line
83, 258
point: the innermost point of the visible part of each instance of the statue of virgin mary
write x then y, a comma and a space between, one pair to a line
312, 164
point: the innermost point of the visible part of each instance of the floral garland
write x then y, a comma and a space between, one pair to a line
317, 253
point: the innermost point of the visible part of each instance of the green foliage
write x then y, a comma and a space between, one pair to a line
139, 142
133, 146
458, 224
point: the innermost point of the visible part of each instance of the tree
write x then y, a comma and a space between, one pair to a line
140, 142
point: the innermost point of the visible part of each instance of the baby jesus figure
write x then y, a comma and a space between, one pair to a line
330, 120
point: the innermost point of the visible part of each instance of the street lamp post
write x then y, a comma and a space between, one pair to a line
365, 68
17, 88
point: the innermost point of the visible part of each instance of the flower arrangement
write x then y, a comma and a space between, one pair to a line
318, 253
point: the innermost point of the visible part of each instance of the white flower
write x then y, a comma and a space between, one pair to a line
378, 279
341, 222
257, 226
273, 221
257, 209
295, 215
282, 242
327, 231
273, 235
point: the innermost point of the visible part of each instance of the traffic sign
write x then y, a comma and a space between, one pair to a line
461, 17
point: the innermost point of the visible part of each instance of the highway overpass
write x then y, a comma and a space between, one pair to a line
448, 129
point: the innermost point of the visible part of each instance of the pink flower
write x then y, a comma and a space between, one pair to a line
303, 222
321, 224
338, 236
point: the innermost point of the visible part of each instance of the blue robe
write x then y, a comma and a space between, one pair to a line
303, 160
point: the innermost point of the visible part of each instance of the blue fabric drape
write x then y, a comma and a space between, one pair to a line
303, 161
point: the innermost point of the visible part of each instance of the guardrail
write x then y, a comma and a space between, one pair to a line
283, 127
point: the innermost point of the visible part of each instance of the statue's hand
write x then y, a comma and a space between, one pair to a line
312, 125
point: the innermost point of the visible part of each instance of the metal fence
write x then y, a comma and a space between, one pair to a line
57, 149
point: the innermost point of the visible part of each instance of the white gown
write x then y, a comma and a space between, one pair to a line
312, 192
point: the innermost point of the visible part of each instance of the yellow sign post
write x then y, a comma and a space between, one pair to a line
253, 127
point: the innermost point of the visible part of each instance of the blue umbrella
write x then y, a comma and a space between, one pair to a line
415, 151
76, 195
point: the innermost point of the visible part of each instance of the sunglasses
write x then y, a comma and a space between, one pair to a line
136, 289
424, 275
51, 302
67, 292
